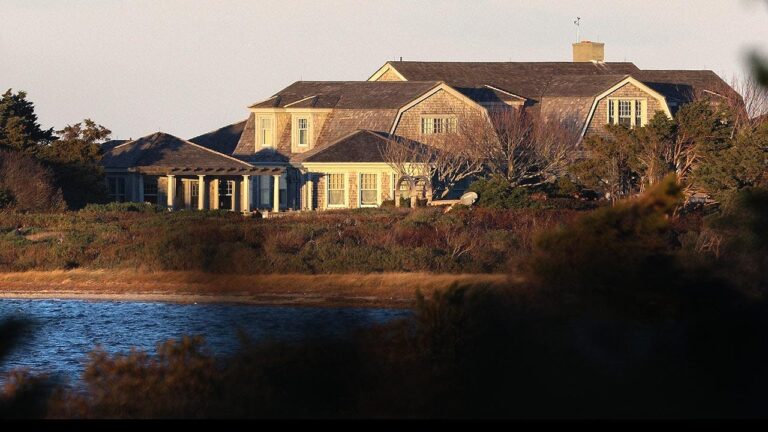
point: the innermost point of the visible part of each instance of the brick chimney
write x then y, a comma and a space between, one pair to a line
586, 51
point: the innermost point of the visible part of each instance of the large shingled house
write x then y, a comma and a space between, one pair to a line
316, 145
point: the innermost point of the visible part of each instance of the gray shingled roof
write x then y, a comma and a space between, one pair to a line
685, 85
359, 146
161, 152
580, 85
526, 79
223, 140
347, 94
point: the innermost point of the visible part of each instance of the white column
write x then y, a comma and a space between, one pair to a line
276, 194
215, 183
310, 192
246, 194
202, 192
171, 192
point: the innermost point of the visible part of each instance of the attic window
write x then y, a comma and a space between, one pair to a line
627, 112
438, 125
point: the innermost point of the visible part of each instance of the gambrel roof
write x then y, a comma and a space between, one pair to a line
526, 79
536, 80
347, 94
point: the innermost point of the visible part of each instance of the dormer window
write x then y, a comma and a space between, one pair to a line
301, 134
266, 131
303, 129
627, 112
438, 125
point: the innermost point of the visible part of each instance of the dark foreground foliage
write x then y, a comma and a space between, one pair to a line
658, 328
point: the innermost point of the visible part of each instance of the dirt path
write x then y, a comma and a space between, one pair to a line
366, 290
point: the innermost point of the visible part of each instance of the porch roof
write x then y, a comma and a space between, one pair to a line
260, 170
163, 154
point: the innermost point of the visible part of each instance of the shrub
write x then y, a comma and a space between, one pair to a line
6, 199
30, 185
123, 207
495, 192
621, 253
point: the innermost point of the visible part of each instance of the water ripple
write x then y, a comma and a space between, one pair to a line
65, 331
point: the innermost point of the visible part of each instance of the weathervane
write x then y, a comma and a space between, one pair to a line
578, 26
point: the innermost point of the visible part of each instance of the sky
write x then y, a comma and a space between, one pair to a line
187, 67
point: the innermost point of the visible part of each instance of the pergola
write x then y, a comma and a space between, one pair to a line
203, 172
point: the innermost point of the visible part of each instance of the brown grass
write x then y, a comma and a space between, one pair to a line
379, 289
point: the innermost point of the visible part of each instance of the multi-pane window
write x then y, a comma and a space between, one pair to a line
368, 190
335, 189
265, 190
266, 185
150, 190
611, 110
302, 126
283, 190
437, 125
116, 186
194, 191
226, 194
265, 131
627, 112
393, 185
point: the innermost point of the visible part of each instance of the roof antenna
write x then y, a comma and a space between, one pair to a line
578, 27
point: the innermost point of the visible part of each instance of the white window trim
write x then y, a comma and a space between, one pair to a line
295, 131
633, 110
437, 116
259, 141
377, 182
328, 189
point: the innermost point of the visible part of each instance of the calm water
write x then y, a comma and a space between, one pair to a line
64, 331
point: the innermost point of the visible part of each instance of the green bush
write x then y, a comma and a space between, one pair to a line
122, 207
496, 192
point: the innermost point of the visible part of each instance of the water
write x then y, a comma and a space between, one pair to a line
65, 331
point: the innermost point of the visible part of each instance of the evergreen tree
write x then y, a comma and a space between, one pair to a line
75, 158
19, 129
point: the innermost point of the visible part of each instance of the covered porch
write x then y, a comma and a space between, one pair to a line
207, 188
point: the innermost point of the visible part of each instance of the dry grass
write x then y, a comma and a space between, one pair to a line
379, 289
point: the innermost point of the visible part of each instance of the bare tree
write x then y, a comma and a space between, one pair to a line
443, 159
526, 149
752, 105
511, 143
28, 184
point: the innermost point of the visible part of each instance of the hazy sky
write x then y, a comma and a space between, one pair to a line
190, 66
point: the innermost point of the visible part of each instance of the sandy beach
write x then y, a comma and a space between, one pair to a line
328, 290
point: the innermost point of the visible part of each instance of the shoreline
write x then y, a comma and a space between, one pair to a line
379, 290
